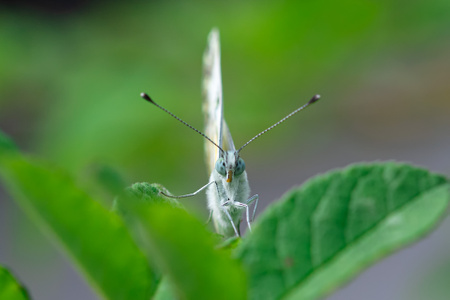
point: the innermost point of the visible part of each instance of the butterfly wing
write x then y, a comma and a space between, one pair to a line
226, 137
215, 127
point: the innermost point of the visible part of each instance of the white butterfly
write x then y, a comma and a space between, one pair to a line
228, 190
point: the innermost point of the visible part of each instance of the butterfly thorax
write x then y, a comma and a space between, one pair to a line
231, 186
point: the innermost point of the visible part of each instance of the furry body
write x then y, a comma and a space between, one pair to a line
235, 192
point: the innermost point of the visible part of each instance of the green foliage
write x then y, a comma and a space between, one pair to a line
10, 289
165, 290
185, 251
94, 237
312, 241
321, 234
73, 85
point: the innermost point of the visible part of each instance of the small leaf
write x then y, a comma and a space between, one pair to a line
141, 193
322, 234
146, 193
10, 289
95, 237
185, 252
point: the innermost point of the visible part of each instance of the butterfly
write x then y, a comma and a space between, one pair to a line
228, 190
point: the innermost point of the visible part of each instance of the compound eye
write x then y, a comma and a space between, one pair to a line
240, 167
220, 166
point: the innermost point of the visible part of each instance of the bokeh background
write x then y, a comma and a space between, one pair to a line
71, 73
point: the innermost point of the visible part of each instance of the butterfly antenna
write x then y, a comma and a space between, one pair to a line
313, 99
147, 97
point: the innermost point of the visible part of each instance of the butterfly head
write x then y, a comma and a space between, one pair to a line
230, 164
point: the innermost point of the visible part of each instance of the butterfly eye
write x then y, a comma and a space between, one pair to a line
240, 167
220, 167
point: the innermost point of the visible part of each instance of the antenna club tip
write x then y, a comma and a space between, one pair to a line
146, 97
314, 99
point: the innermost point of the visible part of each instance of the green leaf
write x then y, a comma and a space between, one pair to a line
322, 234
9, 287
94, 237
185, 252
145, 193
165, 290
140, 193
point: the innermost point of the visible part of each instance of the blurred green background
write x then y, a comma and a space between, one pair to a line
71, 74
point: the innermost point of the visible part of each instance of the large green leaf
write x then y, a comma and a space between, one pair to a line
10, 289
183, 250
321, 234
94, 237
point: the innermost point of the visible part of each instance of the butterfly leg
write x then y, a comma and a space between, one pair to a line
191, 194
254, 198
247, 213
209, 218
226, 203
